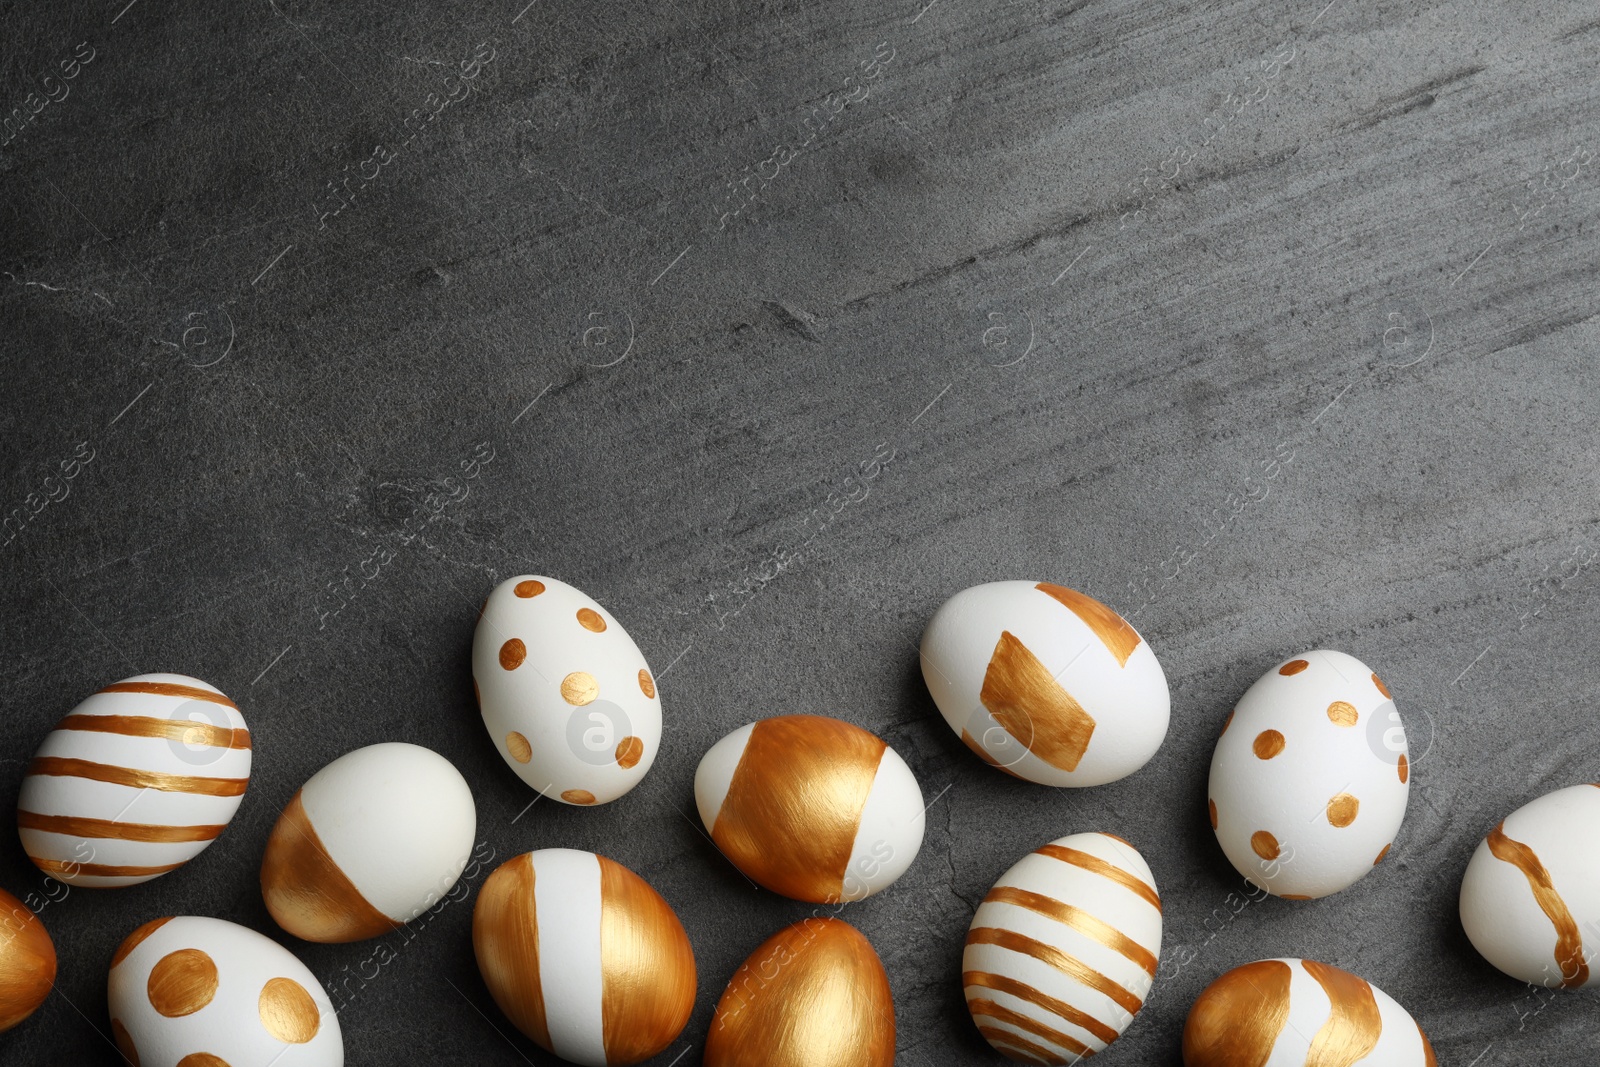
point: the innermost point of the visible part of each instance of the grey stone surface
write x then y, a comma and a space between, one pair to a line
1270, 324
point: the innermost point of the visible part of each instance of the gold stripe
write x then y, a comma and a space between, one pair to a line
1569, 942
168, 783
1051, 956
83, 826
1025, 699
647, 978
983, 1006
1112, 629
1236, 1020
1105, 870
505, 938
131, 942
1076, 1016
170, 689
1079, 920
1021, 1044
1353, 1026
191, 733
74, 869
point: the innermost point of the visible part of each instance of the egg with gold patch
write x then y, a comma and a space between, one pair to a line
1046, 683
199, 992
134, 782
1300, 1013
812, 807
370, 842
568, 699
1063, 950
27, 961
584, 957
1310, 777
1530, 898
813, 995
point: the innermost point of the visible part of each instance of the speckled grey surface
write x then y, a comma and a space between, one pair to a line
1271, 324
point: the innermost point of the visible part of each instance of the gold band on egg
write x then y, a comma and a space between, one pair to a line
306, 891
647, 971
505, 938
983, 1007
1025, 698
185, 730
1079, 920
1105, 870
1112, 629
83, 826
67, 869
1053, 957
171, 689
1022, 991
1354, 1024
1569, 942
1009, 1041
61, 766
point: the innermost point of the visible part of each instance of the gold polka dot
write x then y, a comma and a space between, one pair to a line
1226, 724
1342, 714
1381, 687
629, 751
1211, 806
1264, 844
1295, 896
1405, 768
578, 796
132, 941
182, 982
124, 1042
1342, 809
590, 620
1382, 854
647, 685
529, 587
579, 688
1268, 743
287, 1011
1294, 666
512, 653
202, 1059
518, 746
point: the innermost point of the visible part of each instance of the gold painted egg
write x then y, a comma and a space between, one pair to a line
813, 995
27, 961
584, 957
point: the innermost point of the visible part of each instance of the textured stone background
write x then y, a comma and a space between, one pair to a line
1272, 325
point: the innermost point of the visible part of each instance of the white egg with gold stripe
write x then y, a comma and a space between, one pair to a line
1063, 950
135, 781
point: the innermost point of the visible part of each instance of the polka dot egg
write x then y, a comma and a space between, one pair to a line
568, 699
198, 992
1310, 776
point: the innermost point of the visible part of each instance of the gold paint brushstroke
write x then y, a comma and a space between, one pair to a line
1076, 1016
190, 733
83, 826
1079, 920
1028, 702
1054, 958
1106, 870
984, 1008
171, 689
1353, 1026
61, 766
1112, 629
306, 891
1236, 1020
647, 974
1569, 942
505, 938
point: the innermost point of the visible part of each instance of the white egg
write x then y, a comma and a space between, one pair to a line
198, 992
1310, 776
1046, 683
1063, 950
1291, 1011
811, 807
371, 841
135, 781
568, 698
1530, 900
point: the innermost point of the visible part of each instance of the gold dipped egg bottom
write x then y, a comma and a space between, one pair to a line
27, 961
794, 804
1236, 1021
813, 995
306, 892
505, 938
646, 967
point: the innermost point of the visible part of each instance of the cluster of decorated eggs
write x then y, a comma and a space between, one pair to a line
1308, 789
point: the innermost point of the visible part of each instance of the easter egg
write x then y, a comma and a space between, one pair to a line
813, 995
1310, 776
811, 807
1045, 683
1530, 900
1300, 1013
198, 992
136, 781
27, 961
568, 699
370, 842
583, 957
1063, 950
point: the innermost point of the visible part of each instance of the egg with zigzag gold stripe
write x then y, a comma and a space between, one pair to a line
135, 781
1045, 683
1063, 950
1300, 1013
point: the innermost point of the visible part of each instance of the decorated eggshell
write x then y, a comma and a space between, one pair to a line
568, 699
1062, 952
1046, 683
27, 961
1310, 776
1530, 900
813, 995
584, 957
198, 992
811, 807
1300, 1012
370, 842
136, 781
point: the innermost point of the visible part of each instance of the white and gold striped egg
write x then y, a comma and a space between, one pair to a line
1300, 1013
1530, 899
1062, 952
811, 807
566, 695
135, 781
584, 957
189, 991
1046, 683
